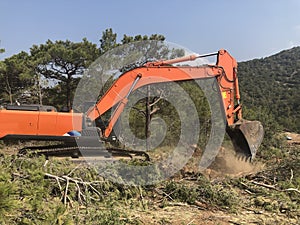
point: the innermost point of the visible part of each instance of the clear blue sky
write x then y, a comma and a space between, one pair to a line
247, 29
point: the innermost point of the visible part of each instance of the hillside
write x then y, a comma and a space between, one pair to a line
273, 84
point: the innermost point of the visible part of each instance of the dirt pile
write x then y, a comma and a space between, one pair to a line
226, 164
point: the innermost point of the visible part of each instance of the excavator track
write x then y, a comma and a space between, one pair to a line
83, 151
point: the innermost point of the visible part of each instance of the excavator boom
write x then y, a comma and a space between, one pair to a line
246, 135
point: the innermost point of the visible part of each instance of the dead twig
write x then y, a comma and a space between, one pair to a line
293, 189
73, 169
164, 193
273, 187
177, 204
78, 183
66, 191
265, 185
190, 222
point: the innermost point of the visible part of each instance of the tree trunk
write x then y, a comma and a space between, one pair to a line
69, 92
8, 90
148, 118
40, 89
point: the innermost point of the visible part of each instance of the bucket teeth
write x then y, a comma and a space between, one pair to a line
246, 137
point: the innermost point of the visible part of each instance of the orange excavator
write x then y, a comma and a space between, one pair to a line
35, 122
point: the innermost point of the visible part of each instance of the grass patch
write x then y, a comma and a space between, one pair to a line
215, 195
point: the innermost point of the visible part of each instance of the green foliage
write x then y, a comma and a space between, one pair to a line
273, 82
64, 62
218, 195
271, 142
7, 202
173, 108
18, 79
108, 216
276, 188
24, 189
29, 196
108, 40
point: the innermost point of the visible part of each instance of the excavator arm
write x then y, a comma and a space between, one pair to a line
225, 73
157, 72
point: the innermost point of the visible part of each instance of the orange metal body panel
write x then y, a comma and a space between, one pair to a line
16, 122
225, 72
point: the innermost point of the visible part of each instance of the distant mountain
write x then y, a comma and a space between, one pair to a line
273, 83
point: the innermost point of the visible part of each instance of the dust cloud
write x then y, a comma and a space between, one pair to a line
226, 164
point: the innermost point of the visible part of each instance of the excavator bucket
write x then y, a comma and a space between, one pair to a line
246, 137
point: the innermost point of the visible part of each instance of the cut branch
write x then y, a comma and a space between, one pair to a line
154, 110
293, 189
265, 185
156, 100
79, 185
